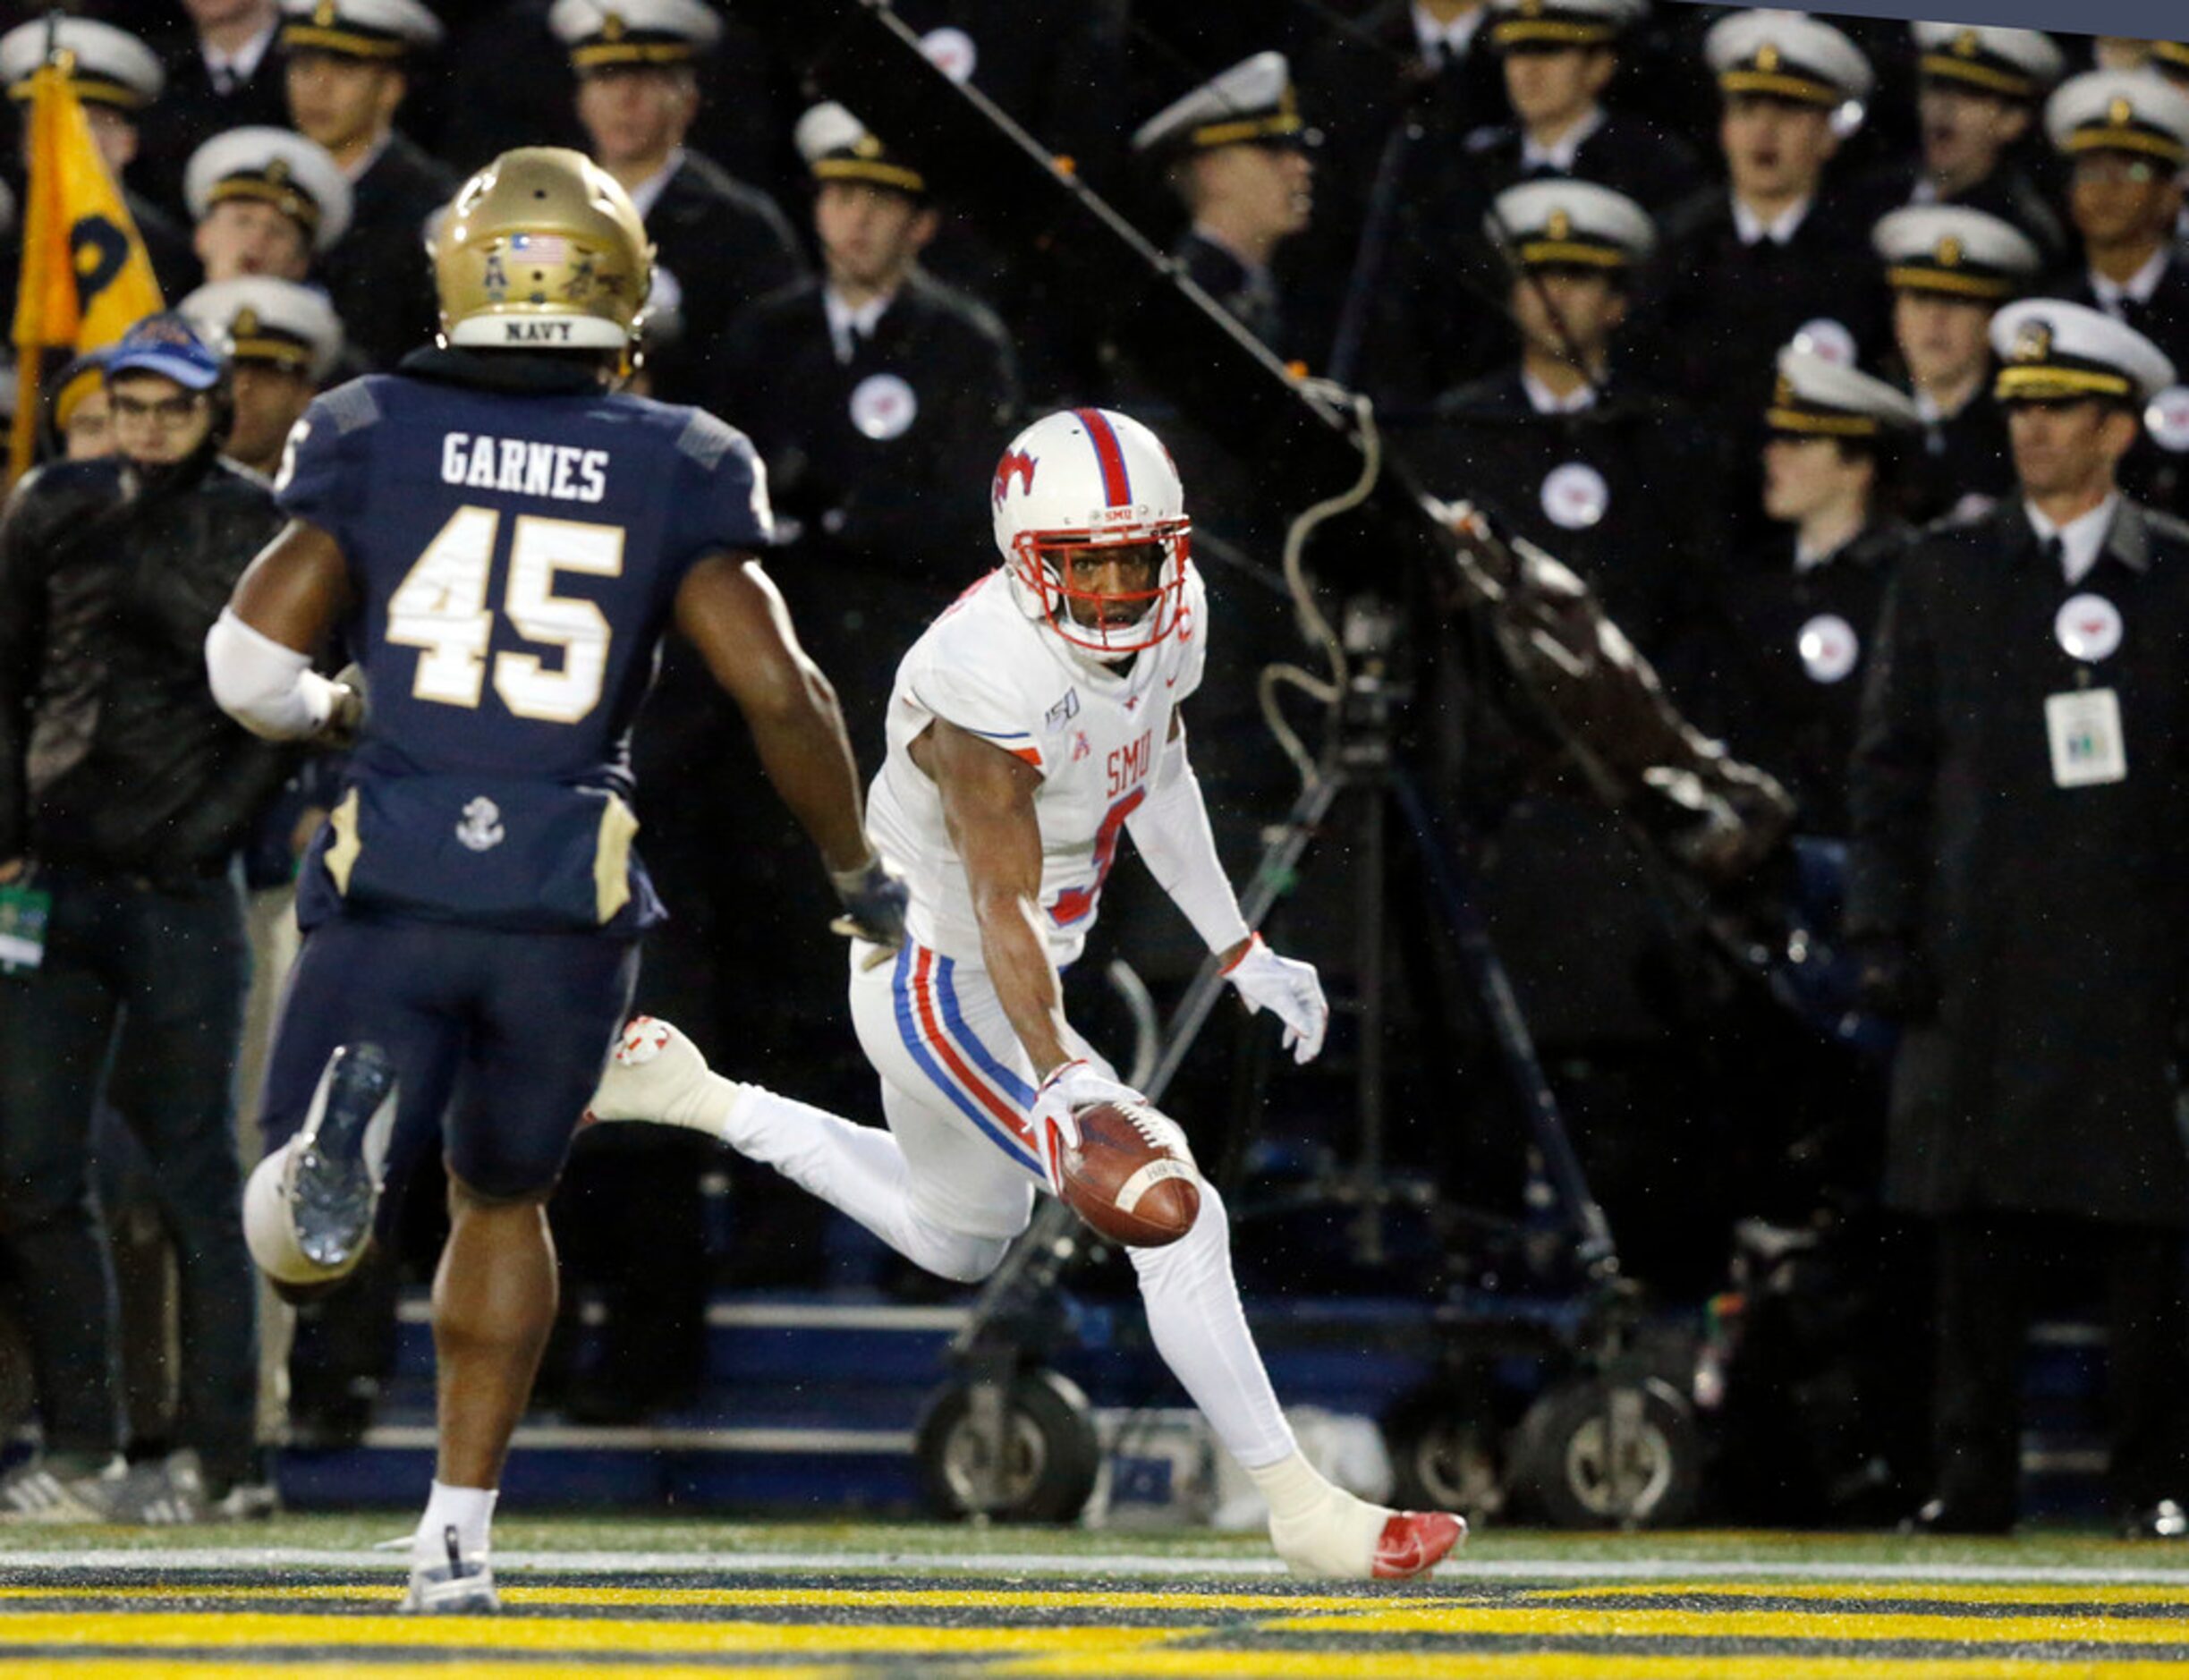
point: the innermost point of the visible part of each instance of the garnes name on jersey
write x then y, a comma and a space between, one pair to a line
518, 466
1096, 734
508, 636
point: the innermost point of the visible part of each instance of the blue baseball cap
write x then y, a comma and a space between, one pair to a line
167, 344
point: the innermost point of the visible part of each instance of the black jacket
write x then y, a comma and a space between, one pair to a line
1628, 154
376, 275
728, 245
112, 755
2054, 919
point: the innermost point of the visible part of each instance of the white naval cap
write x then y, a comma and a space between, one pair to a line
1254, 100
1555, 23
109, 66
1817, 397
1955, 251
615, 34
836, 146
1564, 224
1786, 55
272, 166
294, 327
2135, 111
381, 30
2055, 351
2013, 64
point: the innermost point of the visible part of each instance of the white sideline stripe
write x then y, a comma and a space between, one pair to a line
1092, 1565
585, 1438
773, 1315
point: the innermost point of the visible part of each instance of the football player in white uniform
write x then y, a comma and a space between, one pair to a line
1034, 721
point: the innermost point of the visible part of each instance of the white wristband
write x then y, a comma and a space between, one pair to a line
271, 690
1171, 830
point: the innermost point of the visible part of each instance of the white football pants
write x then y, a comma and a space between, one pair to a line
953, 1179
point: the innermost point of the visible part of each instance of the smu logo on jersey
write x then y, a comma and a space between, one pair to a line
1129, 764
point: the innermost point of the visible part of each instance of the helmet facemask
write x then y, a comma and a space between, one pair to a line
1124, 623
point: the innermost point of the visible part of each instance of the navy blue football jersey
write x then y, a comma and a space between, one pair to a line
513, 559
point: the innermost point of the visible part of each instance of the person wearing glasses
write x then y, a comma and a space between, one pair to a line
125, 794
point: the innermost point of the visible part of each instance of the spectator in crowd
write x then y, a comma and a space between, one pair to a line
1981, 87
124, 794
2127, 134
1775, 256
283, 340
1803, 605
2170, 59
718, 243
1950, 267
348, 72
1559, 56
118, 79
80, 416
874, 394
2022, 764
223, 72
265, 202
1603, 472
1236, 154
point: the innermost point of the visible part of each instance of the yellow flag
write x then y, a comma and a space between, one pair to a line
86, 279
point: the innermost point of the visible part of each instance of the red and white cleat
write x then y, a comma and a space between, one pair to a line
1414, 1542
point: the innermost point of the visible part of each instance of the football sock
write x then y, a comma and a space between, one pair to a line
469, 1511
1318, 1529
858, 1170
1193, 1314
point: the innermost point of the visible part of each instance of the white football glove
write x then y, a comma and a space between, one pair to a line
657, 1074
1072, 1086
1289, 987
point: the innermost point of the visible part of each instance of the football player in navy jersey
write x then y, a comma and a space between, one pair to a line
500, 538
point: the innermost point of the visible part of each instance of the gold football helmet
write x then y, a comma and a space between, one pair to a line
542, 250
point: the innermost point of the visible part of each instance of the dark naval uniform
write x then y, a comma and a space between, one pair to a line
1631, 154
1790, 676
728, 245
1960, 455
1248, 294
880, 459
376, 275
2054, 919
1621, 491
190, 110
2008, 192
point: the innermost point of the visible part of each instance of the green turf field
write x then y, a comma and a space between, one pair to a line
306, 1598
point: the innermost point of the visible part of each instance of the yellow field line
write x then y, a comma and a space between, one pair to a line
1913, 1591
956, 1598
160, 1630
349, 1668
1574, 1622
1535, 1665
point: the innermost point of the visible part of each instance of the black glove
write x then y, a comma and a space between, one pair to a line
874, 896
1892, 978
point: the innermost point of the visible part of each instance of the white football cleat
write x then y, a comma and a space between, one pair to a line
463, 1585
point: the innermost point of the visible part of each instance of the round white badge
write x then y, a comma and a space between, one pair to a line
2167, 418
2088, 627
952, 52
1828, 647
883, 406
1575, 496
1828, 339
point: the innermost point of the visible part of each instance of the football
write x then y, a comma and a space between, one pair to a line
1132, 1177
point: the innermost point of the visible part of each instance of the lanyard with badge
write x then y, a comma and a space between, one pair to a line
25, 909
2083, 726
